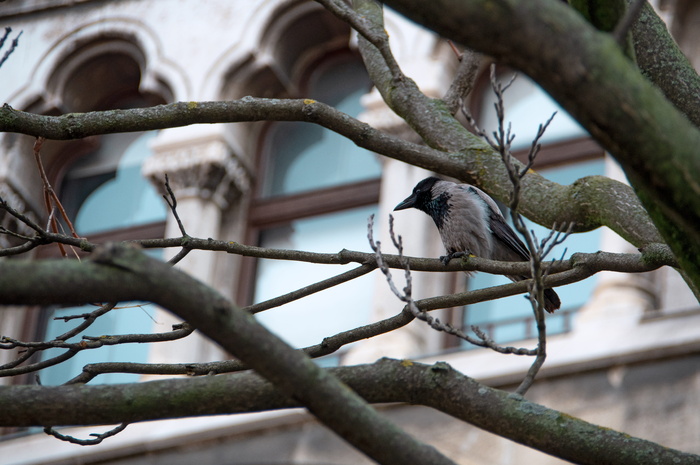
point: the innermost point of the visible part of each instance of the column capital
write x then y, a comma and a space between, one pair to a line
199, 164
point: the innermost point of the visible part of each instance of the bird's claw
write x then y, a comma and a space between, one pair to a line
445, 259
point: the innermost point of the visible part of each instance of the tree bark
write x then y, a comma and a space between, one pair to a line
589, 75
437, 386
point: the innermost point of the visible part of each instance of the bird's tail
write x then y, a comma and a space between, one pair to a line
551, 300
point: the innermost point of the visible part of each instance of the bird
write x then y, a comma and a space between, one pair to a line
470, 222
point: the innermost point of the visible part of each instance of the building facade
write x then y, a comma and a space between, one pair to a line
624, 350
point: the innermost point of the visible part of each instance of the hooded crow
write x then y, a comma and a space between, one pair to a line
469, 221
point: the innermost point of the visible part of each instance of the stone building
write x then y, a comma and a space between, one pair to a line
624, 350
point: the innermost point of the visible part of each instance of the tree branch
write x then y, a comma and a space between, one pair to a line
654, 143
369, 30
588, 204
463, 83
123, 273
387, 380
662, 62
479, 163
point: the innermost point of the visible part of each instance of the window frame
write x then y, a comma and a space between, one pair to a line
268, 212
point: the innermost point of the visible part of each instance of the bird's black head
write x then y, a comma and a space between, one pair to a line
424, 198
421, 196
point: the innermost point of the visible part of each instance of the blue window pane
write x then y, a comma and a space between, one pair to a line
127, 318
307, 321
527, 106
510, 318
304, 156
107, 189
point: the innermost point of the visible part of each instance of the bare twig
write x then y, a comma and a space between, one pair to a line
171, 200
13, 46
98, 437
51, 200
501, 142
417, 311
374, 34
72, 348
623, 26
311, 289
4, 37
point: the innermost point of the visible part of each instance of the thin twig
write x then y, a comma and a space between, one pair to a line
406, 294
4, 37
628, 19
171, 200
98, 437
51, 200
374, 34
13, 46
501, 142
311, 289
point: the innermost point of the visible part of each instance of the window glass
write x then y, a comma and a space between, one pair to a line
307, 321
511, 318
128, 318
303, 157
527, 106
106, 191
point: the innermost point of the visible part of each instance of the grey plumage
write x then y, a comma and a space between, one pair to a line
470, 221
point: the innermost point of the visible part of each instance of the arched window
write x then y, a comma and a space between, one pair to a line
107, 199
302, 157
317, 191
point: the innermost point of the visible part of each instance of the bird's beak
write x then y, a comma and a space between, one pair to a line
407, 203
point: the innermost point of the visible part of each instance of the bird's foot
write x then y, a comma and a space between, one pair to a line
445, 259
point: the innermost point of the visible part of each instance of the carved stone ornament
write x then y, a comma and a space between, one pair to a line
204, 167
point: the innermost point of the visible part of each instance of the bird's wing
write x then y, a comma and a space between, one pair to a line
505, 234
500, 228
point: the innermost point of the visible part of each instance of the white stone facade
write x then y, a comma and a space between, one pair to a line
188, 50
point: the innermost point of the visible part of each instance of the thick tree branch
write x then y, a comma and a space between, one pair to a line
119, 273
369, 30
479, 164
437, 386
658, 56
588, 204
586, 72
463, 83
663, 63
430, 118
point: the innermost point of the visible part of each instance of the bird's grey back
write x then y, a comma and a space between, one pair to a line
465, 225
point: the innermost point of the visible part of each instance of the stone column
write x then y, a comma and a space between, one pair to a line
207, 178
